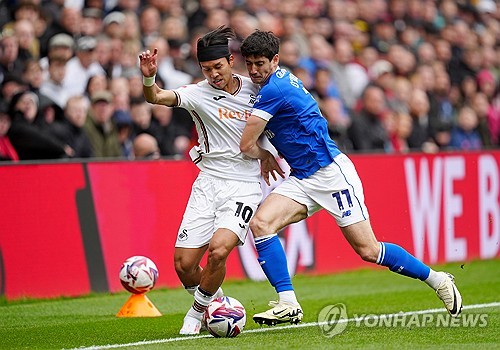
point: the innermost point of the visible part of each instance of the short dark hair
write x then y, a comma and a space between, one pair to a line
260, 43
216, 37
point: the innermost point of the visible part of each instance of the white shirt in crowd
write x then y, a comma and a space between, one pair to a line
75, 80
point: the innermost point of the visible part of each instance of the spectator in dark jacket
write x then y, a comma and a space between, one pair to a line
421, 137
27, 138
367, 131
70, 129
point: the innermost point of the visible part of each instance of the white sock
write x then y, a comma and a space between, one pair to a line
435, 279
194, 314
219, 293
264, 238
201, 300
288, 296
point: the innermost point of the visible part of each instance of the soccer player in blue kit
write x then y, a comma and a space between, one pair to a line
321, 177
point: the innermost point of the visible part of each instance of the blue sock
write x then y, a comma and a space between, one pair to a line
272, 259
400, 261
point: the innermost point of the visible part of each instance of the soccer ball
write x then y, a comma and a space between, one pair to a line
224, 317
138, 274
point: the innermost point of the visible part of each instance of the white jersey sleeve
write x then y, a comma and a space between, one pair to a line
220, 118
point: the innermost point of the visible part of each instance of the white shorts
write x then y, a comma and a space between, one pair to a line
217, 203
335, 188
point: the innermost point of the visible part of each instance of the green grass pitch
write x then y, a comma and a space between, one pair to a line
90, 322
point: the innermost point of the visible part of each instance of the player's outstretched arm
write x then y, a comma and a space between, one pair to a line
152, 92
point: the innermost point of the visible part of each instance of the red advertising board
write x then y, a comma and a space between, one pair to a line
67, 227
40, 239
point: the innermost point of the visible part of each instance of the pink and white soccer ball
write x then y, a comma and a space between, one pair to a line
138, 274
225, 317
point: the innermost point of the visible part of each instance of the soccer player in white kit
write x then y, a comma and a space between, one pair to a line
227, 190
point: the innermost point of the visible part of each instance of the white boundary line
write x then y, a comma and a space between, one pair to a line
269, 329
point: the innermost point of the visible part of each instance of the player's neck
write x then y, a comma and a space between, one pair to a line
233, 85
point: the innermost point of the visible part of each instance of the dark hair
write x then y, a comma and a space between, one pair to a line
218, 37
260, 43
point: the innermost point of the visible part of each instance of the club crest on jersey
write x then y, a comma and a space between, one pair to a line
183, 235
252, 99
269, 134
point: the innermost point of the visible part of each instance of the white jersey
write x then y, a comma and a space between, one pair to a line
220, 118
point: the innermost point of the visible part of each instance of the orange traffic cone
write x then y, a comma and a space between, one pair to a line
138, 305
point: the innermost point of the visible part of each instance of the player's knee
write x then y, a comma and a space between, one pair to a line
218, 255
259, 227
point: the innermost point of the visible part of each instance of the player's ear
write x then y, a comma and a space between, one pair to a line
275, 60
231, 61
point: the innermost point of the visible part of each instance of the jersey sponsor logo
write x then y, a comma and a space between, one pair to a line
217, 98
225, 113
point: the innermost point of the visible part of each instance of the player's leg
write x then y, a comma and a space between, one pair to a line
357, 230
187, 266
193, 237
235, 203
221, 244
276, 212
362, 239
360, 236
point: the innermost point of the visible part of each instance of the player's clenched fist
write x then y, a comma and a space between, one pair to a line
148, 62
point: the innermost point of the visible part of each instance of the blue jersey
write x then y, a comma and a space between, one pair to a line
295, 125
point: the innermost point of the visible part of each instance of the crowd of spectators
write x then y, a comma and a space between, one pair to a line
389, 75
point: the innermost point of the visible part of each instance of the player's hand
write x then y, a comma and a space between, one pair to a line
269, 166
149, 62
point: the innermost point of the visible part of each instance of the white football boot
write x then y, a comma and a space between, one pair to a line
449, 294
280, 312
191, 326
